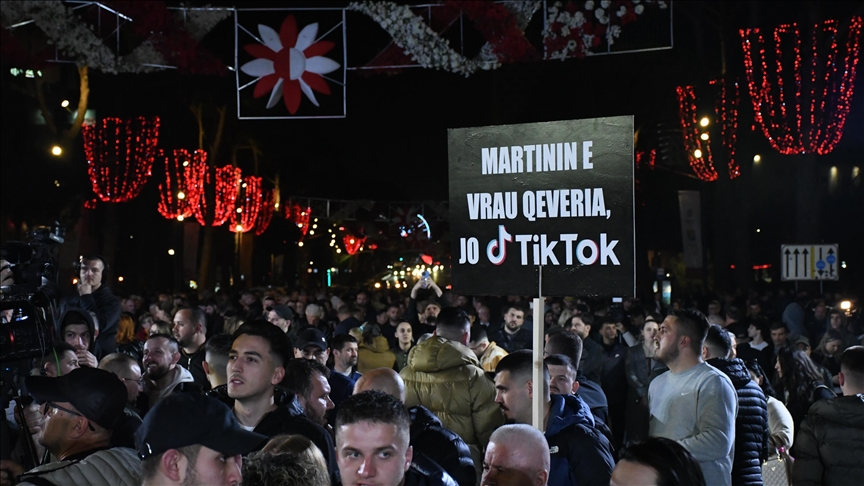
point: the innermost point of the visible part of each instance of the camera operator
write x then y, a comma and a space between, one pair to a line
95, 296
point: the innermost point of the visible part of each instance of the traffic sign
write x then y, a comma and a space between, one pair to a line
809, 262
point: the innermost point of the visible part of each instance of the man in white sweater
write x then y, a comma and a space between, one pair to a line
694, 403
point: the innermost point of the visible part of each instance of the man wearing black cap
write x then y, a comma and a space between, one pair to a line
193, 440
281, 316
81, 411
311, 344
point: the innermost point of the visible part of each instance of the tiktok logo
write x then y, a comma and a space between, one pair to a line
499, 245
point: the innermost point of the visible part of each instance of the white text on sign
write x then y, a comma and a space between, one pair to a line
541, 249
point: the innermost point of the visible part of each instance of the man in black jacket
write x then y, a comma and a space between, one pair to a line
95, 296
751, 424
828, 447
372, 444
428, 436
256, 364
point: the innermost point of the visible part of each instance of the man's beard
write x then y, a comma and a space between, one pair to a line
157, 372
667, 355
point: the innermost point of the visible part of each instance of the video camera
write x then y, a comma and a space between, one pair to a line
27, 306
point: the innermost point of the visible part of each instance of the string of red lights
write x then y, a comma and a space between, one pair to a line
831, 84
695, 144
120, 156
726, 107
265, 212
182, 189
248, 204
227, 184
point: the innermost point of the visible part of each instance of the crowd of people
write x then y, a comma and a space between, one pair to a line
295, 386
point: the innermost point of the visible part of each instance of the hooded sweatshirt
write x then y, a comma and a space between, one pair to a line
106, 306
430, 438
77, 315
579, 453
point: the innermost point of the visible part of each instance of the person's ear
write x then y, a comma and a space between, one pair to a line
79, 428
466, 336
206, 367
841, 379
278, 374
409, 456
541, 478
175, 358
529, 385
576, 386
705, 353
171, 464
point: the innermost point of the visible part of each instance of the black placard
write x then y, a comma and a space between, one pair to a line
579, 204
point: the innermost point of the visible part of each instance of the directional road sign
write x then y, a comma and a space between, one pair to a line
809, 262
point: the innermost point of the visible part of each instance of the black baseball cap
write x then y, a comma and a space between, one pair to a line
282, 311
184, 419
311, 336
98, 394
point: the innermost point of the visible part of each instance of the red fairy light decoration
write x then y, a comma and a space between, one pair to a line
182, 190
120, 156
301, 219
353, 243
248, 204
701, 149
698, 150
227, 183
265, 212
802, 108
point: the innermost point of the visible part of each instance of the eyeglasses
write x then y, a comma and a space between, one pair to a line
139, 381
51, 405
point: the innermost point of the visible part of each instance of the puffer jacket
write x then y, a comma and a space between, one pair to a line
375, 355
447, 449
751, 424
491, 357
445, 377
830, 445
580, 454
118, 466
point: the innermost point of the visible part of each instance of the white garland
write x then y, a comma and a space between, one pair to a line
417, 39
76, 39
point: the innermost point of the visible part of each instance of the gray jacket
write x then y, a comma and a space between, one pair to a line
118, 466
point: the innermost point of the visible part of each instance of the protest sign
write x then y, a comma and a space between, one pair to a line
556, 194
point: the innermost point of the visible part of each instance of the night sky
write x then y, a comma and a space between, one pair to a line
392, 145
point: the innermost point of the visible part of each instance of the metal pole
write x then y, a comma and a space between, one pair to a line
537, 377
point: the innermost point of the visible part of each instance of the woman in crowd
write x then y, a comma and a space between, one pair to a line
127, 342
827, 354
798, 383
837, 321
641, 368
286, 460
781, 428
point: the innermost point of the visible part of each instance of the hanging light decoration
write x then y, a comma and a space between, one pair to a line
248, 204
698, 150
353, 243
726, 107
120, 156
182, 189
301, 217
227, 184
265, 212
802, 108
646, 157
